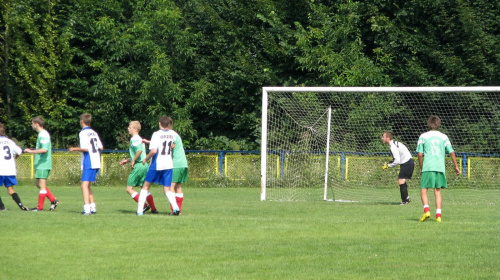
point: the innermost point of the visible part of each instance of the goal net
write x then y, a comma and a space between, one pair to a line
324, 143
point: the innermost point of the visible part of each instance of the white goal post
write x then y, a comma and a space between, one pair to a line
289, 153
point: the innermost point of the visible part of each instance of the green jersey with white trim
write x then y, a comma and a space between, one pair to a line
135, 146
178, 153
43, 161
434, 145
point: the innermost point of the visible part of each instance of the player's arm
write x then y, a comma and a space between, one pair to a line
420, 161
136, 156
150, 155
457, 168
78, 149
37, 151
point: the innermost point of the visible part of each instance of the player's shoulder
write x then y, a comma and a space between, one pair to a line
136, 138
44, 134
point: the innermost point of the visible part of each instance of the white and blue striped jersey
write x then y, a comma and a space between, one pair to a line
162, 141
89, 139
8, 152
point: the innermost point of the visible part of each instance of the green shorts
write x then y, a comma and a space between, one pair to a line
138, 174
42, 174
434, 180
180, 175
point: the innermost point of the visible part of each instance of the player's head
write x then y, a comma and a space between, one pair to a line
86, 119
171, 124
37, 121
2, 129
165, 121
434, 122
387, 136
134, 126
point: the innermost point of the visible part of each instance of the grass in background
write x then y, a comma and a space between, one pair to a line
227, 233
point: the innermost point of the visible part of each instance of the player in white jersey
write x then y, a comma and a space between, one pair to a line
400, 156
90, 145
160, 169
8, 153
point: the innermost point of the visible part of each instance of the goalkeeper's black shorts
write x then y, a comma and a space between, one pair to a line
406, 169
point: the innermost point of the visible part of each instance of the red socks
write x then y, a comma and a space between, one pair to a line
151, 202
49, 195
41, 199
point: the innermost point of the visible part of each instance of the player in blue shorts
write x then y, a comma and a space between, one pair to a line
8, 153
160, 169
90, 145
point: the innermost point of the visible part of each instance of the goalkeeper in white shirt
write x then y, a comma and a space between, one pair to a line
401, 156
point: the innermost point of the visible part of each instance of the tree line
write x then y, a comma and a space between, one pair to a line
204, 62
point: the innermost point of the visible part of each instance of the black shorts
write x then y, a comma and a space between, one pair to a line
406, 169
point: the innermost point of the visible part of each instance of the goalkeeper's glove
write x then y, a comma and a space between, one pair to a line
385, 166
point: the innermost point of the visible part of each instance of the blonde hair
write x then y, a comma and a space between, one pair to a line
136, 125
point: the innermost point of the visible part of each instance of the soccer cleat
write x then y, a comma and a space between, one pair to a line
36, 209
404, 202
93, 211
3, 209
176, 212
24, 208
425, 216
53, 205
85, 213
139, 214
154, 212
146, 208
438, 219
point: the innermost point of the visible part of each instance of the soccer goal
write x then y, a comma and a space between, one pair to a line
324, 143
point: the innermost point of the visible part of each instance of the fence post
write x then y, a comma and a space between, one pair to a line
221, 163
464, 165
342, 166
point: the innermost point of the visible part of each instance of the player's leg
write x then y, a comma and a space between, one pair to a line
42, 192
142, 198
168, 191
179, 195
405, 172
86, 197
15, 197
179, 176
437, 194
93, 207
403, 189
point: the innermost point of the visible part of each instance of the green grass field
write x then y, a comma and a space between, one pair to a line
227, 233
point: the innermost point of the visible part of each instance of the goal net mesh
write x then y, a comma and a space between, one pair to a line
297, 134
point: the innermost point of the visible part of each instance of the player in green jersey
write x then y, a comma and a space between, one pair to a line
432, 148
137, 151
43, 164
180, 171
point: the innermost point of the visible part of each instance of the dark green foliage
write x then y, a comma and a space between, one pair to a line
204, 62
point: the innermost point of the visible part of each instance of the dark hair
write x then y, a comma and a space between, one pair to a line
388, 134
165, 121
434, 122
86, 118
